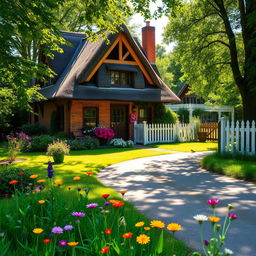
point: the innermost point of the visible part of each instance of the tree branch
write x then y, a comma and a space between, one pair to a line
213, 42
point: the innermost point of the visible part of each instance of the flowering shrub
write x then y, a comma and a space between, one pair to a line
120, 143
58, 147
103, 133
17, 144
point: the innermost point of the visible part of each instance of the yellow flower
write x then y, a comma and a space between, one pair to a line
143, 239
213, 219
157, 224
37, 230
139, 224
41, 201
34, 176
58, 182
174, 227
73, 243
146, 228
41, 181
76, 178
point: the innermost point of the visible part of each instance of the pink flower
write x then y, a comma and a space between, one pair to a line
78, 214
213, 202
232, 216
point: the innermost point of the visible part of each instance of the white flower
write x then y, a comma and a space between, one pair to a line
228, 251
200, 218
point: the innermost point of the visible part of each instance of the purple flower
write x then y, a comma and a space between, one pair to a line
51, 235
68, 227
50, 170
213, 202
57, 230
93, 205
78, 189
206, 242
232, 216
107, 203
78, 214
63, 243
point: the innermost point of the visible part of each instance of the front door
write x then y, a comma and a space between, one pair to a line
119, 121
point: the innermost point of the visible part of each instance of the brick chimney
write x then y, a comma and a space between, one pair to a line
148, 42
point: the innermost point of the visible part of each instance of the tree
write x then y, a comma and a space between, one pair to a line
216, 47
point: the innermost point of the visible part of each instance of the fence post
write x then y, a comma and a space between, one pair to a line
135, 132
145, 133
222, 134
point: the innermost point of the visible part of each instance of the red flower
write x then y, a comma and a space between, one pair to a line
105, 249
6, 195
89, 173
105, 196
127, 235
13, 182
47, 240
21, 173
108, 231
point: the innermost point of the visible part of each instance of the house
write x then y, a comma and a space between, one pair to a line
103, 84
195, 104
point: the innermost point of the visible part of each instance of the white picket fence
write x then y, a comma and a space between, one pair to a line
238, 137
159, 133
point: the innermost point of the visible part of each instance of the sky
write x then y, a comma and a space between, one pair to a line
159, 24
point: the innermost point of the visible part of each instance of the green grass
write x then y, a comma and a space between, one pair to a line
188, 146
76, 164
227, 165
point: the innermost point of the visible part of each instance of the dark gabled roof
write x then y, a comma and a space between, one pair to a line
183, 90
84, 57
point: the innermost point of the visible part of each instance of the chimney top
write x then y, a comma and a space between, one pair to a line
148, 42
147, 23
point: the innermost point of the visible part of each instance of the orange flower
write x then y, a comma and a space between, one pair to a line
76, 178
73, 243
41, 181
58, 182
116, 203
108, 231
12, 182
213, 219
37, 231
143, 239
157, 224
127, 235
174, 227
41, 201
105, 249
34, 176
147, 228
123, 192
139, 224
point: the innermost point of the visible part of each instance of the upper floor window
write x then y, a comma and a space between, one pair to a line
121, 78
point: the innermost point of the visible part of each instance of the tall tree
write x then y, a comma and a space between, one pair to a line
216, 46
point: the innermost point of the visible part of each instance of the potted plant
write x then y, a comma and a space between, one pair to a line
58, 149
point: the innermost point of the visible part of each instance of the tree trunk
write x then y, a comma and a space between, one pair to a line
249, 104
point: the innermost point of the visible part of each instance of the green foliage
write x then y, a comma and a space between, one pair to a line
120, 143
34, 129
87, 143
25, 184
164, 115
58, 147
40, 143
234, 165
183, 115
198, 112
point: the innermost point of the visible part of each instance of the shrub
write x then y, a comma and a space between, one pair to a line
104, 133
183, 115
40, 143
165, 115
34, 129
129, 144
58, 147
120, 143
87, 143
8, 174
17, 144
60, 135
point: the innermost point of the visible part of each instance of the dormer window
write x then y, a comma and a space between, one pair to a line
121, 78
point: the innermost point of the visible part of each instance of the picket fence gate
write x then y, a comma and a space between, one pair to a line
159, 133
238, 137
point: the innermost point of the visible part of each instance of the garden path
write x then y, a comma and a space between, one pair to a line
173, 188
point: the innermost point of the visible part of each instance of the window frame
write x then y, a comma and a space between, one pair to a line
97, 115
129, 77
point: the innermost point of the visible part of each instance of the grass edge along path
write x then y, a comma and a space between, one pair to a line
187, 146
227, 165
78, 163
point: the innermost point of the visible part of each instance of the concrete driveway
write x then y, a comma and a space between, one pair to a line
173, 188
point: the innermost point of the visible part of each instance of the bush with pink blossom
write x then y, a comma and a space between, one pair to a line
101, 133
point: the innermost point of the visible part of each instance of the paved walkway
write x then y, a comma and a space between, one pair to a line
174, 188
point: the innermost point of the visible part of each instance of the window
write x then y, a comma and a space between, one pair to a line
145, 114
121, 78
91, 116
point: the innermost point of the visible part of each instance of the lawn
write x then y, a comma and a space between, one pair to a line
27, 210
188, 146
228, 165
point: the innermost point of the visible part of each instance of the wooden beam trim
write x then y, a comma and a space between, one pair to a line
120, 49
133, 54
102, 59
134, 63
126, 55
